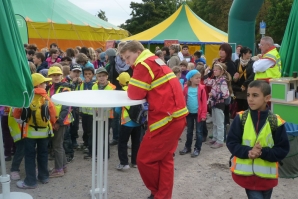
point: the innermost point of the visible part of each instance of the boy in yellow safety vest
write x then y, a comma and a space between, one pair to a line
257, 141
102, 83
128, 129
64, 118
37, 135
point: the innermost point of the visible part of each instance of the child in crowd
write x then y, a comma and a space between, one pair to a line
190, 66
177, 71
74, 78
102, 83
196, 101
64, 118
37, 134
65, 71
9, 147
32, 67
30, 54
219, 92
39, 61
15, 126
53, 57
66, 61
258, 142
128, 129
197, 57
184, 71
87, 113
84, 62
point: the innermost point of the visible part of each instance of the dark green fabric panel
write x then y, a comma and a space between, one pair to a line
180, 29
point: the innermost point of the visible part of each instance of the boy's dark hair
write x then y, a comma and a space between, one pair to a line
65, 59
88, 69
198, 54
40, 56
262, 85
70, 52
30, 52
85, 51
184, 63
53, 45
32, 47
165, 48
184, 46
53, 51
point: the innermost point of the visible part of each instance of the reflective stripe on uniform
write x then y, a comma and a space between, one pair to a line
256, 169
16, 137
139, 84
38, 134
162, 80
149, 69
167, 119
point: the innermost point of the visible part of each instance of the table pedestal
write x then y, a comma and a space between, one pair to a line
99, 188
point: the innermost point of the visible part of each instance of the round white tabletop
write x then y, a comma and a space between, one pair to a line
95, 99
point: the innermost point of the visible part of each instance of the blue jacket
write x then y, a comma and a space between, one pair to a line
43, 65
281, 143
200, 60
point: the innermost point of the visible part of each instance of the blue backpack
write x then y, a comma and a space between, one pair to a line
138, 113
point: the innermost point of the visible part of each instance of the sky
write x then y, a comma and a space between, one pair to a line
117, 11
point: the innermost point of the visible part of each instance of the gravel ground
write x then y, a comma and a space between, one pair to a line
204, 177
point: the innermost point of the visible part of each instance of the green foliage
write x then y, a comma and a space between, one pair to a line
148, 14
277, 18
102, 15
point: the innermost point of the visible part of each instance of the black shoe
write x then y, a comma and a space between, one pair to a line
184, 151
89, 156
114, 142
69, 159
195, 153
8, 158
151, 196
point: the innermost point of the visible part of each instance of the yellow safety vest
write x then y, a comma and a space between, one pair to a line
14, 127
125, 116
258, 166
69, 119
273, 72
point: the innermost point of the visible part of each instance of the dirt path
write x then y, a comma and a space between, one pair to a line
204, 177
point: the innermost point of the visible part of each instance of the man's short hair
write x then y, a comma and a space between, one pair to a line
184, 46
262, 85
66, 59
268, 40
40, 56
198, 54
176, 70
132, 46
53, 45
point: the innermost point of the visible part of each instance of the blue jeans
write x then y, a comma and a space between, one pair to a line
192, 119
253, 194
18, 156
42, 160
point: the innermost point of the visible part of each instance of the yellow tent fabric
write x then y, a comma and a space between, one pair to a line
64, 23
185, 26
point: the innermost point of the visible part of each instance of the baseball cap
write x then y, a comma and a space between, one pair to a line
54, 70
76, 67
111, 52
101, 70
123, 78
38, 78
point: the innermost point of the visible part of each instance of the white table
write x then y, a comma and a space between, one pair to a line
101, 101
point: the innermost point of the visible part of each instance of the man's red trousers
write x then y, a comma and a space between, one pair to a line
155, 158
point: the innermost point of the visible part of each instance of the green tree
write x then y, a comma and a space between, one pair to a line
102, 15
148, 14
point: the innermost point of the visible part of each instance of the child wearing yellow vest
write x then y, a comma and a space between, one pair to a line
102, 83
64, 118
257, 141
128, 129
37, 136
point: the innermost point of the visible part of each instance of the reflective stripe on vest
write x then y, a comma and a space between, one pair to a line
125, 116
14, 127
167, 119
41, 133
258, 166
139, 84
273, 72
16, 137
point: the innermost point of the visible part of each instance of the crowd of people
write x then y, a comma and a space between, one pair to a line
188, 88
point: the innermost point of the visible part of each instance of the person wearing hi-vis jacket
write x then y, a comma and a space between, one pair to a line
153, 80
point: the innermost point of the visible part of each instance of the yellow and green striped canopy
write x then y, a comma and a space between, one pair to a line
184, 25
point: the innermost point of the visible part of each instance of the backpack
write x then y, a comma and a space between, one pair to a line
272, 118
37, 114
138, 113
228, 100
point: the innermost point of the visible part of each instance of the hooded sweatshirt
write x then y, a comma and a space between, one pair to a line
43, 65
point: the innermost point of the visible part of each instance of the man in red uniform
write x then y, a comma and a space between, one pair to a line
153, 80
